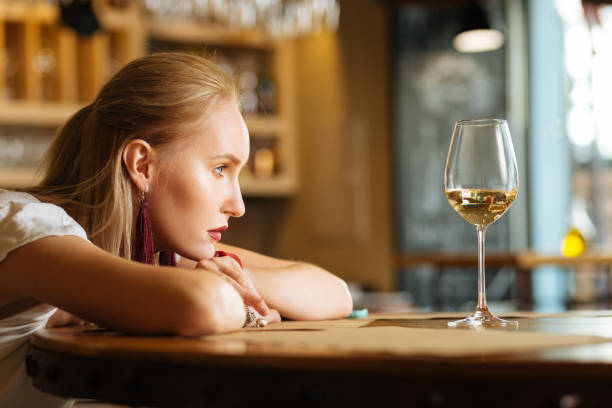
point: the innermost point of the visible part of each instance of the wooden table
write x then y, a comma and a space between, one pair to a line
89, 362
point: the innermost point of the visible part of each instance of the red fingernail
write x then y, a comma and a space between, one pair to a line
237, 259
223, 253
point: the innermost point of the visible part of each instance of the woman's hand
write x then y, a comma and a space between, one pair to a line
299, 291
230, 269
63, 318
272, 317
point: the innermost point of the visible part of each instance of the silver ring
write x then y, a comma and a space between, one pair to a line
251, 318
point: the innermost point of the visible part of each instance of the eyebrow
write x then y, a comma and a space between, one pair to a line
229, 156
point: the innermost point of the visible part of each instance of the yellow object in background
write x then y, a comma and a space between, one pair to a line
264, 163
573, 243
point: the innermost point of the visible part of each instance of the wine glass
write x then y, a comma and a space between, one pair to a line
481, 182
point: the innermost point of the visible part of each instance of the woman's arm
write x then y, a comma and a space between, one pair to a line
84, 280
297, 290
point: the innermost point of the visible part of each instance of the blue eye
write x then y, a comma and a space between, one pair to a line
219, 170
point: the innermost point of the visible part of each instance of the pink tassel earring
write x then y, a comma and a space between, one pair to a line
167, 258
143, 249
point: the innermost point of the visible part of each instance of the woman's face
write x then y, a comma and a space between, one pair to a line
195, 189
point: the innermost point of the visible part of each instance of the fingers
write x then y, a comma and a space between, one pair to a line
228, 269
253, 298
233, 256
261, 307
273, 316
63, 318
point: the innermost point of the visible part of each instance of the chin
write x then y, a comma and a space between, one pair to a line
206, 251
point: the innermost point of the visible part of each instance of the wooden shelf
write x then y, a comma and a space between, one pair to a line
25, 113
22, 11
18, 177
83, 64
523, 261
444, 260
117, 20
277, 186
45, 114
530, 260
262, 126
192, 32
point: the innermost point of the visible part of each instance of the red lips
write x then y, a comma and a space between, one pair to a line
220, 229
216, 233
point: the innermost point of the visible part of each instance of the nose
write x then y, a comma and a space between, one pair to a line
234, 204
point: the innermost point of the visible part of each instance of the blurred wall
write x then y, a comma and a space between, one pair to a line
341, 218
549, 170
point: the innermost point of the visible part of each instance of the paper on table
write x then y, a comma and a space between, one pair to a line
408, 341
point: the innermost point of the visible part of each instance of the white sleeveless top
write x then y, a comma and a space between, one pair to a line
24, 219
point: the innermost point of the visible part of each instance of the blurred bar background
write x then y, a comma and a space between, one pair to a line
350, 105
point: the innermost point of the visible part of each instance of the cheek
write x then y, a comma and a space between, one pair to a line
182, 209
184, 191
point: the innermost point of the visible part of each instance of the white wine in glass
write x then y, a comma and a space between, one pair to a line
481, 182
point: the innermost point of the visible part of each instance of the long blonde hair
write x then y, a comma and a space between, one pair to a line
152, 98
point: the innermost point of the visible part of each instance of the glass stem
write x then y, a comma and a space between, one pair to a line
482, 296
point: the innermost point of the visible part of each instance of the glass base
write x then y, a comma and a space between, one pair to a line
483, 318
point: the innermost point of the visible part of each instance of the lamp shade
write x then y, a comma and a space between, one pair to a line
476, 34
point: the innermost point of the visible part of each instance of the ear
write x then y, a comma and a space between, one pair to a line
138, 157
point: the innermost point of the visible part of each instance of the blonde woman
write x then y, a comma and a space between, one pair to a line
149, 167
